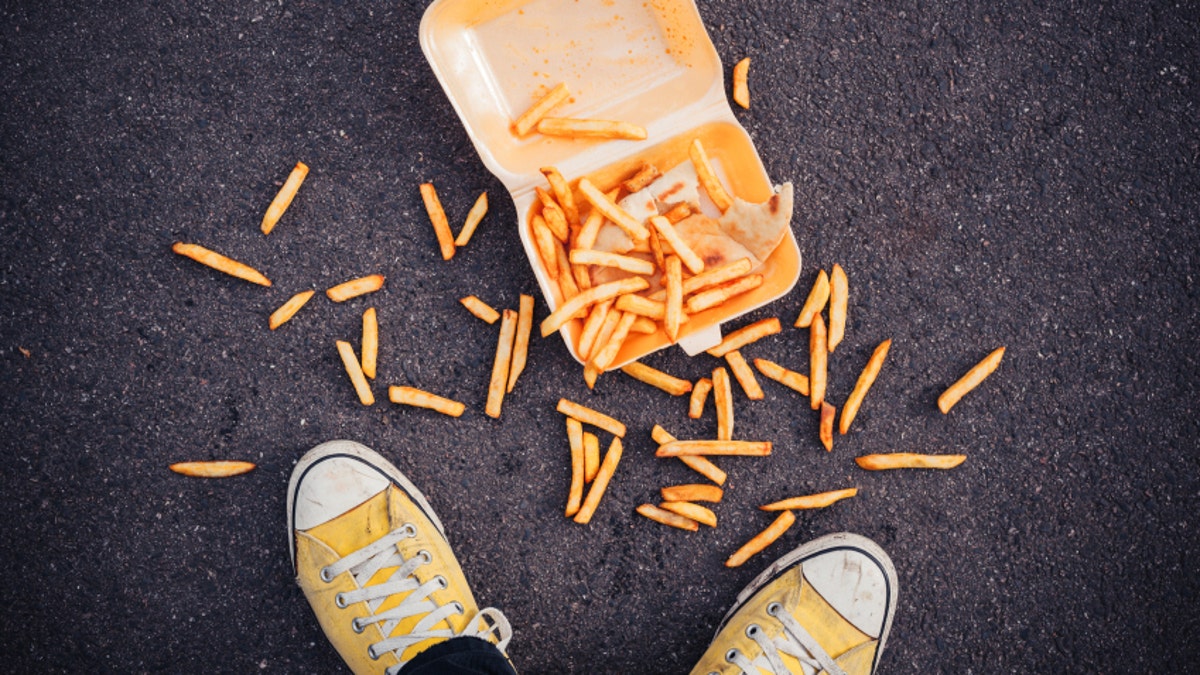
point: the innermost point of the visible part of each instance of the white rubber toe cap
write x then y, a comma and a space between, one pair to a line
854, 584
333, 487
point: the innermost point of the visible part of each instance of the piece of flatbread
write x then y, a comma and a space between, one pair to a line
716, 248
760, 227
680, 184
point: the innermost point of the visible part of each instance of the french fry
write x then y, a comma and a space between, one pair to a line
740, 448
590, 373
741, 89
437, 216
746, 335
817, 298
283, 198
521, 343
555, 218
220, 263
643, 178
642, 306
974, 376
708, 177
591, 456
591, 328
723, 401
480, 309
355, 287
695, 512
787, 378
562, 193
674, 282
826, 429
643, 326
839, 292
621, 262
692, 492
665, 517
815, 501
212, 469
600, 484
606, 332
588, 416
566, 278
423, 399
908, 460
657, 378
762, 540
585, 299
530, 118
578, 466
546, 245
591, 225
678, 213
581, 128
288, 309
476, 214
656, 248
608, 354
354, 370
818, 362
865, 380
714, 277
699, 395
744, 375
370, 342
686, 255
500, 366
583, 279
611, 210
701, 465
715, 296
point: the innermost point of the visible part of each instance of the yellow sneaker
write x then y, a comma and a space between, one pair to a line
374, 563
826, 607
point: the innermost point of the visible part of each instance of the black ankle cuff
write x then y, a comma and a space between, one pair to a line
460, 656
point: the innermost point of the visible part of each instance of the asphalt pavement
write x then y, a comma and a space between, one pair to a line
1020, 173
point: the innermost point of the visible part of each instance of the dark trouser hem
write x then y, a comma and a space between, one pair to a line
460, 656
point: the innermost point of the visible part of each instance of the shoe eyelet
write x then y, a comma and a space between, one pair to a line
459, 606
357, 627
752, 630
340, 601
425, 555
371, 653
442, 581
731, 655
774, 608
326, 575
410, 529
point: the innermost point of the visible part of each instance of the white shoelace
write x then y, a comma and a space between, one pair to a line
795, 641
366, 561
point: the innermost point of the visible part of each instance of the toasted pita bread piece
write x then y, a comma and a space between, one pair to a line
707, 239
679, 185
759, 227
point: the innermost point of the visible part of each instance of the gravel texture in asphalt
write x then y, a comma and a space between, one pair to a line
1019, 173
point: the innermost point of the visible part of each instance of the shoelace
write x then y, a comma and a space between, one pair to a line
382, 553
795, 641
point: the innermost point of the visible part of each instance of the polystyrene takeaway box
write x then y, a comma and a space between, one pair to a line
649, 62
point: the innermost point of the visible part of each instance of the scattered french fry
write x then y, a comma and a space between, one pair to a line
355, 287
818, 362
787, 378
562, 193
437, 216
591, 456
480, 309
817, 298
667, 231
908, 460
762, 540
476, 214
657, 378
354, 370
370, 342
585, 299
220, 263
665, 517
609, 209
723, 401
839, 292
674, 312
642, 179
608, 354
530, 118
588, 416
826, 430
678, 213
423, 399
695, 512
604, 259
590, 373
521, 344
715, 296
500, 366
708, 176
591, 329
699, 396
578, 466
581, 128
283, 198
288, 309
692, 492
744, 375
697, 463
974, 376
606, 332
746, 335
212, 469
546, 244
553, 213
865, 380
741, 89
600, 484
816, 501
741, 448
